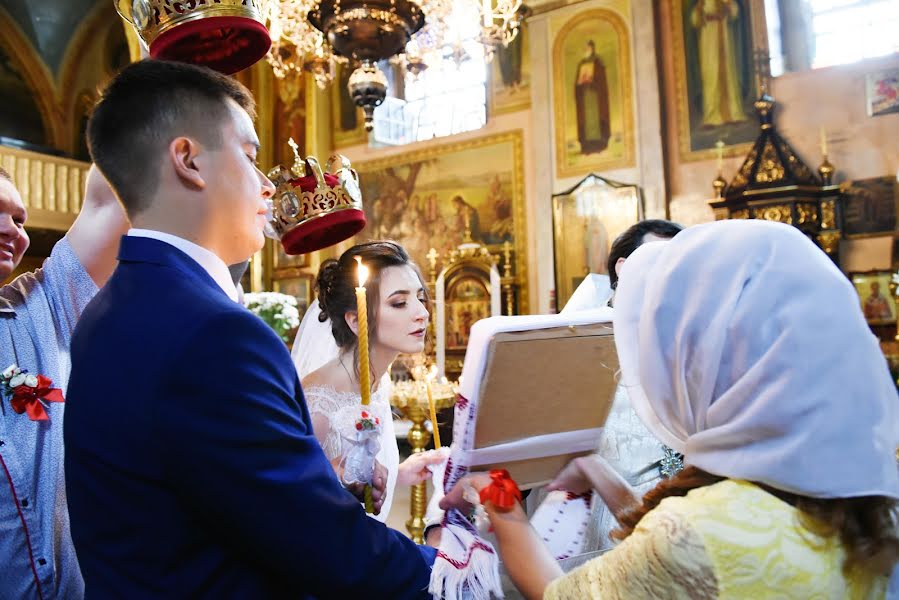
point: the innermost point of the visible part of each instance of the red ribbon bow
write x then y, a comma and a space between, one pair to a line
502, 492
26, 399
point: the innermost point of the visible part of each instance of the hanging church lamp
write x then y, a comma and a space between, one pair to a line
315, 36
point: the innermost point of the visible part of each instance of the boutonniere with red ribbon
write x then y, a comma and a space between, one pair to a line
29, 393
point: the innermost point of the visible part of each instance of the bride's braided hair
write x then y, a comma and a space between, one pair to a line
337, 281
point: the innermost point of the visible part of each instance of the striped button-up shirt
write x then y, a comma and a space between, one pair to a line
38, 312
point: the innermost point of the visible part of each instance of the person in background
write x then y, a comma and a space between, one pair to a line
191, 462
791, 488
630, 460
38, 312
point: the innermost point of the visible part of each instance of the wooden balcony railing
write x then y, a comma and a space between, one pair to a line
51, 187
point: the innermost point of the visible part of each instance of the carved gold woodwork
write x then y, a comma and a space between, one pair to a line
828, 214
799, 168
780, 213
829, 241
720, 214
51, 187
806, 213
774, 184
411, 399
770, 169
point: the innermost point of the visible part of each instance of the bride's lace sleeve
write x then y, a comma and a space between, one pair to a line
334, 416
324, 405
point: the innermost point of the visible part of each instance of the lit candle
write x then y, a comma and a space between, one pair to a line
719, 149
364, 369
823, 141
433, 407
362, 321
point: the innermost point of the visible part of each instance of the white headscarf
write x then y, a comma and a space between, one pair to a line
744, 347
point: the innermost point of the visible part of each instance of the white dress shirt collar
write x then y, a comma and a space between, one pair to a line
212, 264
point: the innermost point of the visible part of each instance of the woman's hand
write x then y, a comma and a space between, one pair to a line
595, 472
571, 479
378, 484
455, 500
414, 469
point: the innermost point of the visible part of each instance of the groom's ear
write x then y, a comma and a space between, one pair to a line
352, 321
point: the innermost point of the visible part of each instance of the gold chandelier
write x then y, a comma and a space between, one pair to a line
315, 35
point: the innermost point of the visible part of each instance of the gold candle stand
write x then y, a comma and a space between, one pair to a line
411, 399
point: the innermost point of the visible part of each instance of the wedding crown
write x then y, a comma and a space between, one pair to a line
226, 35
312, 209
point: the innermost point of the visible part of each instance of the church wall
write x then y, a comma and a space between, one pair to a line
833, 99
498, 124
538, 123
647, 167
859, 146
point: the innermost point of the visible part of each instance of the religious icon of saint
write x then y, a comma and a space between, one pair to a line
876, 306
721, 98
510, 62
591, 92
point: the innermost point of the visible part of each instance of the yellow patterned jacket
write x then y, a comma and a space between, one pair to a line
728, 540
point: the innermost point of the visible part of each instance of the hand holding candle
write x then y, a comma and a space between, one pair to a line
362, 324
432, 373
364, 368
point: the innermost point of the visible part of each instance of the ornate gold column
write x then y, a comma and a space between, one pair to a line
411, 398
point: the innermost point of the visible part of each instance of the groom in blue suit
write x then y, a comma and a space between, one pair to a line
191, 465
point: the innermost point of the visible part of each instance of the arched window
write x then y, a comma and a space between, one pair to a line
448, 97
808, 34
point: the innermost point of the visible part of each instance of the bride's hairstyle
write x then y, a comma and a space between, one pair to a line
337, 281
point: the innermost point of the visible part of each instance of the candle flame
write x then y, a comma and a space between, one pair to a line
363, 272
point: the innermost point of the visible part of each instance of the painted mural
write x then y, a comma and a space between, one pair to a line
715, 75
510, 75
430, 198
593, 94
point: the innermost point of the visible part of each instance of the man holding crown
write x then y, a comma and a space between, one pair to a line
192, 466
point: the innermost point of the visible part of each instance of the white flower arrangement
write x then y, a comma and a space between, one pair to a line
279, 311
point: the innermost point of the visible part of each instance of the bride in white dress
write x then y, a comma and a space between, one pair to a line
326, 353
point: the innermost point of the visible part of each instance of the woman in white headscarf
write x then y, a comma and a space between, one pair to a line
743, 347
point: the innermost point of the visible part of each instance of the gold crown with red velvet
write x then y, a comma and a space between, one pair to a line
313, 209
225, 35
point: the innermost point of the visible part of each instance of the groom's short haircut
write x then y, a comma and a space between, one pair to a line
147, 105
632, 238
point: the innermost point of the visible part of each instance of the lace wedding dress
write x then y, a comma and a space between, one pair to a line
340, 410
314, 347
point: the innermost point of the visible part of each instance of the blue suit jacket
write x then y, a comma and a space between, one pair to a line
191, 465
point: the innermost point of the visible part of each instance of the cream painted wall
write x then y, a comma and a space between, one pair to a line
832, 98
537, 125
648, 168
